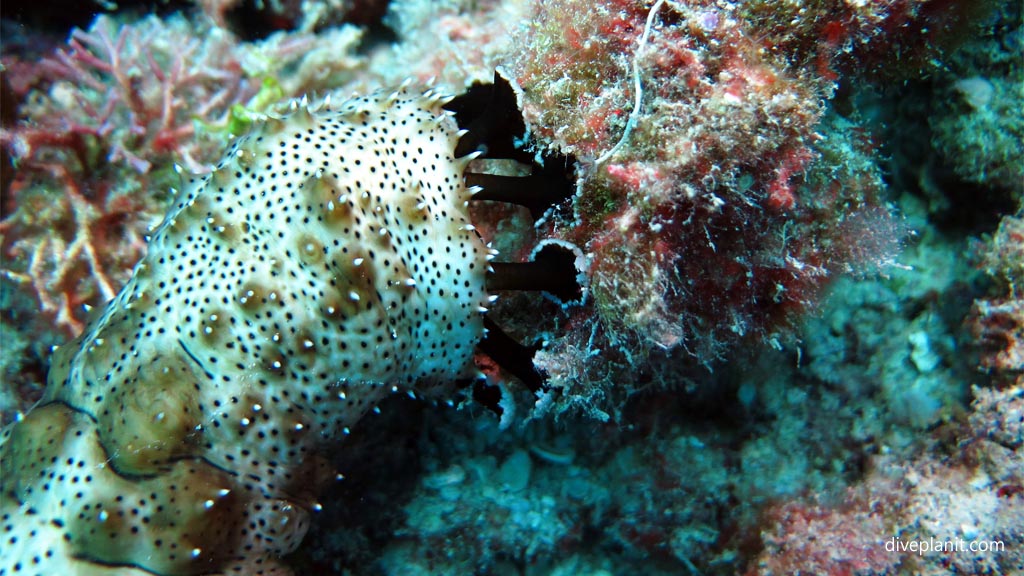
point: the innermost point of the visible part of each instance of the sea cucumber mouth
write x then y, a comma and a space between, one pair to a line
493, 128
321, 267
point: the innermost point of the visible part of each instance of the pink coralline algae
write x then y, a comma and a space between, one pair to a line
972, 499
822, 540
105, 118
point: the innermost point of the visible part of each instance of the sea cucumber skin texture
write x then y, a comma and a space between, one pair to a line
328, 261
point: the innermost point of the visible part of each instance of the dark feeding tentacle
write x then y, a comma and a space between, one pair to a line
557, 268
512, 356
494, 129
552, 270
537, 192
490, 115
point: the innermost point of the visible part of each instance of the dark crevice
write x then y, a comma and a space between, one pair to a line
251, 22
488, 396
33, 21
8, 105
86, 559
196, 360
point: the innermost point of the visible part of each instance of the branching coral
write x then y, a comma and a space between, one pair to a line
110, 113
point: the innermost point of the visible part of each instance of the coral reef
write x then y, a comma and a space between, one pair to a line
998, 322
979, 125
456, 42
253, 20
972, 498
716, 197
799, 342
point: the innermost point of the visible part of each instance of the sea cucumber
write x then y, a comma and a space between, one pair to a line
328, 261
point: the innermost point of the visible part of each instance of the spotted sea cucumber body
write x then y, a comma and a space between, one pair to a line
328, 261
